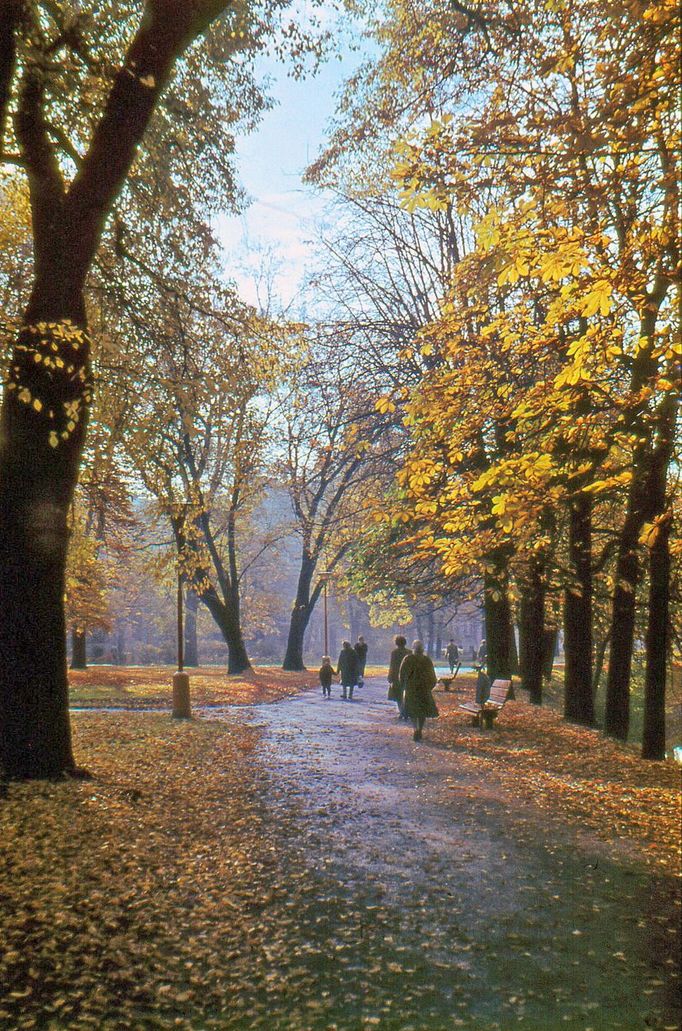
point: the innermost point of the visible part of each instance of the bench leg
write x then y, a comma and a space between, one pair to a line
488, 718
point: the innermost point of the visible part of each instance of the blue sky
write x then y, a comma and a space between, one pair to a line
278, 226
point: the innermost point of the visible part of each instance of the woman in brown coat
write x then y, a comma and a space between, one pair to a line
418, 679
395, 691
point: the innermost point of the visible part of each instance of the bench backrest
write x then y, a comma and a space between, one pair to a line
499, 692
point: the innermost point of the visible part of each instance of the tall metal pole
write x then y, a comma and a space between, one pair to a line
181, 641
181, 704
326, 624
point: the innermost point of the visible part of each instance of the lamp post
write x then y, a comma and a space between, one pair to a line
181, 706
325, 574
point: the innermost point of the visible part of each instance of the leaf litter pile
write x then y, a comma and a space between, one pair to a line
572, 772
191, 886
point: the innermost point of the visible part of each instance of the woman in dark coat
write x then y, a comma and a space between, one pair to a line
418, 679
395, 691
348, 669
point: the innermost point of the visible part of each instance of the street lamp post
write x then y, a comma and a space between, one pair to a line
325, 574
181, 706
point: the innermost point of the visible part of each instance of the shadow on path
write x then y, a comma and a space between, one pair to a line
410, 896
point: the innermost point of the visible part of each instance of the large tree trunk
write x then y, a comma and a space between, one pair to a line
228, 622
40, 447
498, 625
617, 714
46, 400
79, 657
531, 633
646, 501
300, 615
549, 644
578, 697
191, 645
658, 636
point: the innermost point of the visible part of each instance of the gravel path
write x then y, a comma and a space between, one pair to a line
407, 895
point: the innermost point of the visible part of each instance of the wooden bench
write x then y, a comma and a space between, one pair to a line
484, 714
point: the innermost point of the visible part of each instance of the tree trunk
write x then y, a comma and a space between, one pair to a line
658, 636
599, 655
531, 633
228, 623
658, 626
498, 626
513, 650
578, 697
191, 646
646, 501
300, 615
293, 659
549, 644
40, 447
47, 394
617, 714
430, 633
121, 654
79, 658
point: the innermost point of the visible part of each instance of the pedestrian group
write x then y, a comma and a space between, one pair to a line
411, 678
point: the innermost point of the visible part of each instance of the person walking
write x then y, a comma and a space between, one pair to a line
326, 674
395, 691
418, 679
348, 669
452, 653
361, 652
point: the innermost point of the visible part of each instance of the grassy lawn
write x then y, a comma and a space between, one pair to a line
150, 687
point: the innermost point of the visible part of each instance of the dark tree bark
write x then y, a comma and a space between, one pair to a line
227, 619
300, 613
658, 637
578, 698
498, 624
513, 652
430, 633
654, 431
191, 644
600, 653
627, 572
549, 643
531, 632
121, 654
79, 658
658, 625
300, 617
47, 397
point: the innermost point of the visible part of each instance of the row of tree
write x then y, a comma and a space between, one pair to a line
497, 320
537, 145
119, 121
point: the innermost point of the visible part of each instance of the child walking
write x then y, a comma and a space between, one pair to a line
326, 674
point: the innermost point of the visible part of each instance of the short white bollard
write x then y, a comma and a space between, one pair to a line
181, 707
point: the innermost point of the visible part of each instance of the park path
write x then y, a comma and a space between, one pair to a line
410, 895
